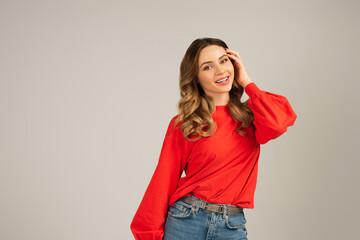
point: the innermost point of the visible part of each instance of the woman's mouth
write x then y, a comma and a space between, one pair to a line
223, 81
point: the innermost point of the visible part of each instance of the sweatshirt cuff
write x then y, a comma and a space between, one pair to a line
251, 89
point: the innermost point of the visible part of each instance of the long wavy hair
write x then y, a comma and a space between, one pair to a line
195, 107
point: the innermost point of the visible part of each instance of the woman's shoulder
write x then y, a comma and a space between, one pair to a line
174, 126
174, 117
173, 120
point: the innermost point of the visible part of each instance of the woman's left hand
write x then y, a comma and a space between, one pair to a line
241, 77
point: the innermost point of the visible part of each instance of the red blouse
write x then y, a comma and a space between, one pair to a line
221, 168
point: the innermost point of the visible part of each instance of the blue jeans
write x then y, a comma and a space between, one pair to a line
189, 222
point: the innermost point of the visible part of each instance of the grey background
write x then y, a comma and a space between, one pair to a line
87, 89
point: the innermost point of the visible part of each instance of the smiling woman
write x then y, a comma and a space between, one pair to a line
216, 140
207, 61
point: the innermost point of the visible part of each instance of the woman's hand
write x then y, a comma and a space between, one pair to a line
242, 77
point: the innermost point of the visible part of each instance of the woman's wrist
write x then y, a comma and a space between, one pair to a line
246, 83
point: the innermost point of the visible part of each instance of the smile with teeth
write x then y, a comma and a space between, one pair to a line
222, 80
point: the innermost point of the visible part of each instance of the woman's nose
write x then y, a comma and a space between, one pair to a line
220, 71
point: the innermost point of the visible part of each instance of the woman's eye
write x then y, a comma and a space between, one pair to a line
205, 68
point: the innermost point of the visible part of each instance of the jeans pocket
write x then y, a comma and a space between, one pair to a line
180, 210
235, 221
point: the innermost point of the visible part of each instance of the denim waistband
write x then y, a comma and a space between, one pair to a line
209, 206
201, 200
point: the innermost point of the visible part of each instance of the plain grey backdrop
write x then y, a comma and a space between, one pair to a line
87, 89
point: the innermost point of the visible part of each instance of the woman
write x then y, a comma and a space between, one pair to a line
216, 139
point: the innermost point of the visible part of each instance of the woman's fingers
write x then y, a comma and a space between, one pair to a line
243, 78
233, 52
236, 56
233, 55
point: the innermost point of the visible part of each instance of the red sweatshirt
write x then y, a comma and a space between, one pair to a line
221, 168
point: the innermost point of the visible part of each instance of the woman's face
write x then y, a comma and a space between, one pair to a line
214, 65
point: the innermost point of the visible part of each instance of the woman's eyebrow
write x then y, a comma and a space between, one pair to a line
210, 61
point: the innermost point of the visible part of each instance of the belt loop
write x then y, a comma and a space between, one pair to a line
224, 214
196, 203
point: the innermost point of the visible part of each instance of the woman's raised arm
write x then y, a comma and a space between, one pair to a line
273, 113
